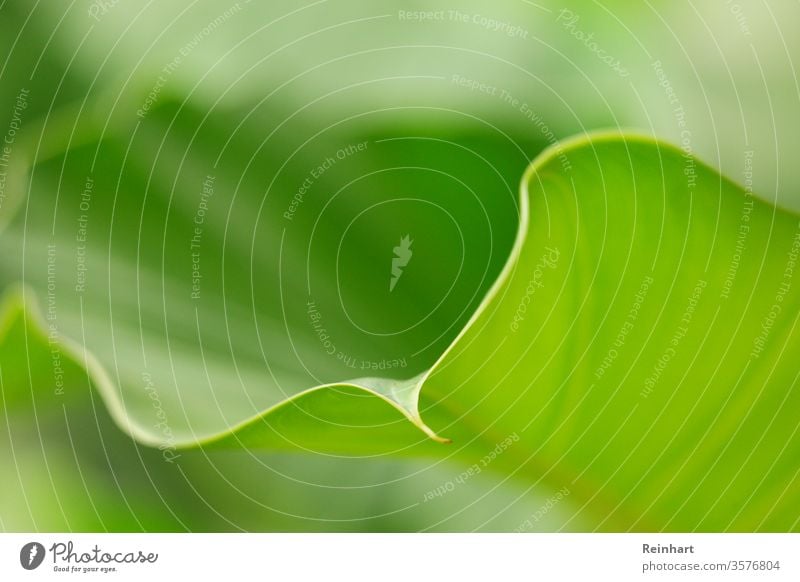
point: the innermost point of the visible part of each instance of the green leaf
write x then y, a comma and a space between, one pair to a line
644, 348
207, 278
626, 353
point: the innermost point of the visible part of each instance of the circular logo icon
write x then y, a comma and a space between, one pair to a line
31, 555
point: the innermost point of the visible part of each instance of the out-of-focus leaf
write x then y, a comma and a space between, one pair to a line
718, 75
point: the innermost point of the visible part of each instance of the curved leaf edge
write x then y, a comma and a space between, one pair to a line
19, 301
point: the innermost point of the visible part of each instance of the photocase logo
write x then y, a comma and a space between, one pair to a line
31, 555
402, 256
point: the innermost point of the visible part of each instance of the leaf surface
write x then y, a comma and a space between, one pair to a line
625, 330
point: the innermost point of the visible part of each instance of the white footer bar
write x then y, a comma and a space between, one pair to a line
390, 557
